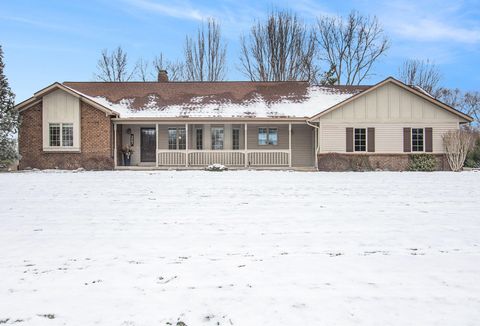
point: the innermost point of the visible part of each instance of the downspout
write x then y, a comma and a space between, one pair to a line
317, 148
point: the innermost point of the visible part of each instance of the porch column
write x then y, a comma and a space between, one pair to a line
245, 145
186, 144
290, 144
156, 144
115, 159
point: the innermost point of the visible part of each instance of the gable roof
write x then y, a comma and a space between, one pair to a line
241, 99
413, 89
244, 99
37, 97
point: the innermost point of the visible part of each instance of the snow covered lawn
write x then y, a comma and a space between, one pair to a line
239, 248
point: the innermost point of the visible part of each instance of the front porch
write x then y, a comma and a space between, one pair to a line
161, 145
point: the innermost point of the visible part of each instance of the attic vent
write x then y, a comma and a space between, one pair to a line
162, 76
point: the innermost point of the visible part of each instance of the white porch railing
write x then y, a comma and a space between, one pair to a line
268, 158
230, 158
171, 157
199, 157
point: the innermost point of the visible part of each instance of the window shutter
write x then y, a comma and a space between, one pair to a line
407, 140
371, 140
428, 140
349, 147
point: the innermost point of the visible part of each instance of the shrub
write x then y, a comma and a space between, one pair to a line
360, 163
457, 145
422, 162
473, 156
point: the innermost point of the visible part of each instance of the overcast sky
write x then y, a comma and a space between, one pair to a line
48, 41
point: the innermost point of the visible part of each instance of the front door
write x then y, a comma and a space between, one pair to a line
147, 144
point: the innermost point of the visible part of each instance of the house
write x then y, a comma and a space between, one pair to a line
239, 124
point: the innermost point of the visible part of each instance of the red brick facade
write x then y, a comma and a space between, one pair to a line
365, 162
96, 142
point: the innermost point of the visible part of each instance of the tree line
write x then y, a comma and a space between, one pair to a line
281, 47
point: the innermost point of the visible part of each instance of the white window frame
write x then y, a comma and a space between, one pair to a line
212, 129
268, 136
61, 125
177, 138
196, 138
366, 140
423, 141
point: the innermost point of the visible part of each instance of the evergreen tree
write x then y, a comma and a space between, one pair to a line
328, 77
8, 119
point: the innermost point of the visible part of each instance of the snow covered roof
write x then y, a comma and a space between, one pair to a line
214, 99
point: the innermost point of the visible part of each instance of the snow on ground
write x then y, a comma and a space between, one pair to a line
239, 248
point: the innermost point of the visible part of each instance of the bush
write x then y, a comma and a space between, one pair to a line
422, 162
360, 163
473, 156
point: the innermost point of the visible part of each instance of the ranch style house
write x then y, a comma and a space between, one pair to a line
282, 125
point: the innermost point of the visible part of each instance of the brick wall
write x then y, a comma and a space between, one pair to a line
96, 142
360, 162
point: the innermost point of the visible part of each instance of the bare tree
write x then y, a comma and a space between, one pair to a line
422, 73
175, 69
278, 49
450, 96
352, 45
471, 105
142, 68
205, 55
457, 144
113, 67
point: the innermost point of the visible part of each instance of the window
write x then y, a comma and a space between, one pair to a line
417, 139
199, 138
67, 134
60, 134
54, 130
360, 139
267, 136
272, 136
217, 138
236, 138
177, 138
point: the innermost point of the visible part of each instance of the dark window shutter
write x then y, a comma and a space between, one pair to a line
349, 139
428, 140
371, 139
407, 140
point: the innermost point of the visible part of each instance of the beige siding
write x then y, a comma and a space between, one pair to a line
302, 146
388, 136
61, 107
388, 109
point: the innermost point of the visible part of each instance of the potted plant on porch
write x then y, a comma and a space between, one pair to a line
127, 155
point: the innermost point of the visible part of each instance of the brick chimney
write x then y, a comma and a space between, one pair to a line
162, 76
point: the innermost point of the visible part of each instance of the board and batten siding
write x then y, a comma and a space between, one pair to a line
61, 107
388, 109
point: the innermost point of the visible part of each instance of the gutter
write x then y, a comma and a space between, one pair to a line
317, 148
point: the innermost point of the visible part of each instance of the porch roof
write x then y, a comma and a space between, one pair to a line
215, 99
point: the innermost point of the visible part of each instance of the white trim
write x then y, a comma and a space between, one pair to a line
423, 140
186, 144
289, 144
156, 145
115, 154
366, 140
268, 135
245, 146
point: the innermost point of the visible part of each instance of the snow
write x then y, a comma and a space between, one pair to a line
318, 99
239, 248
